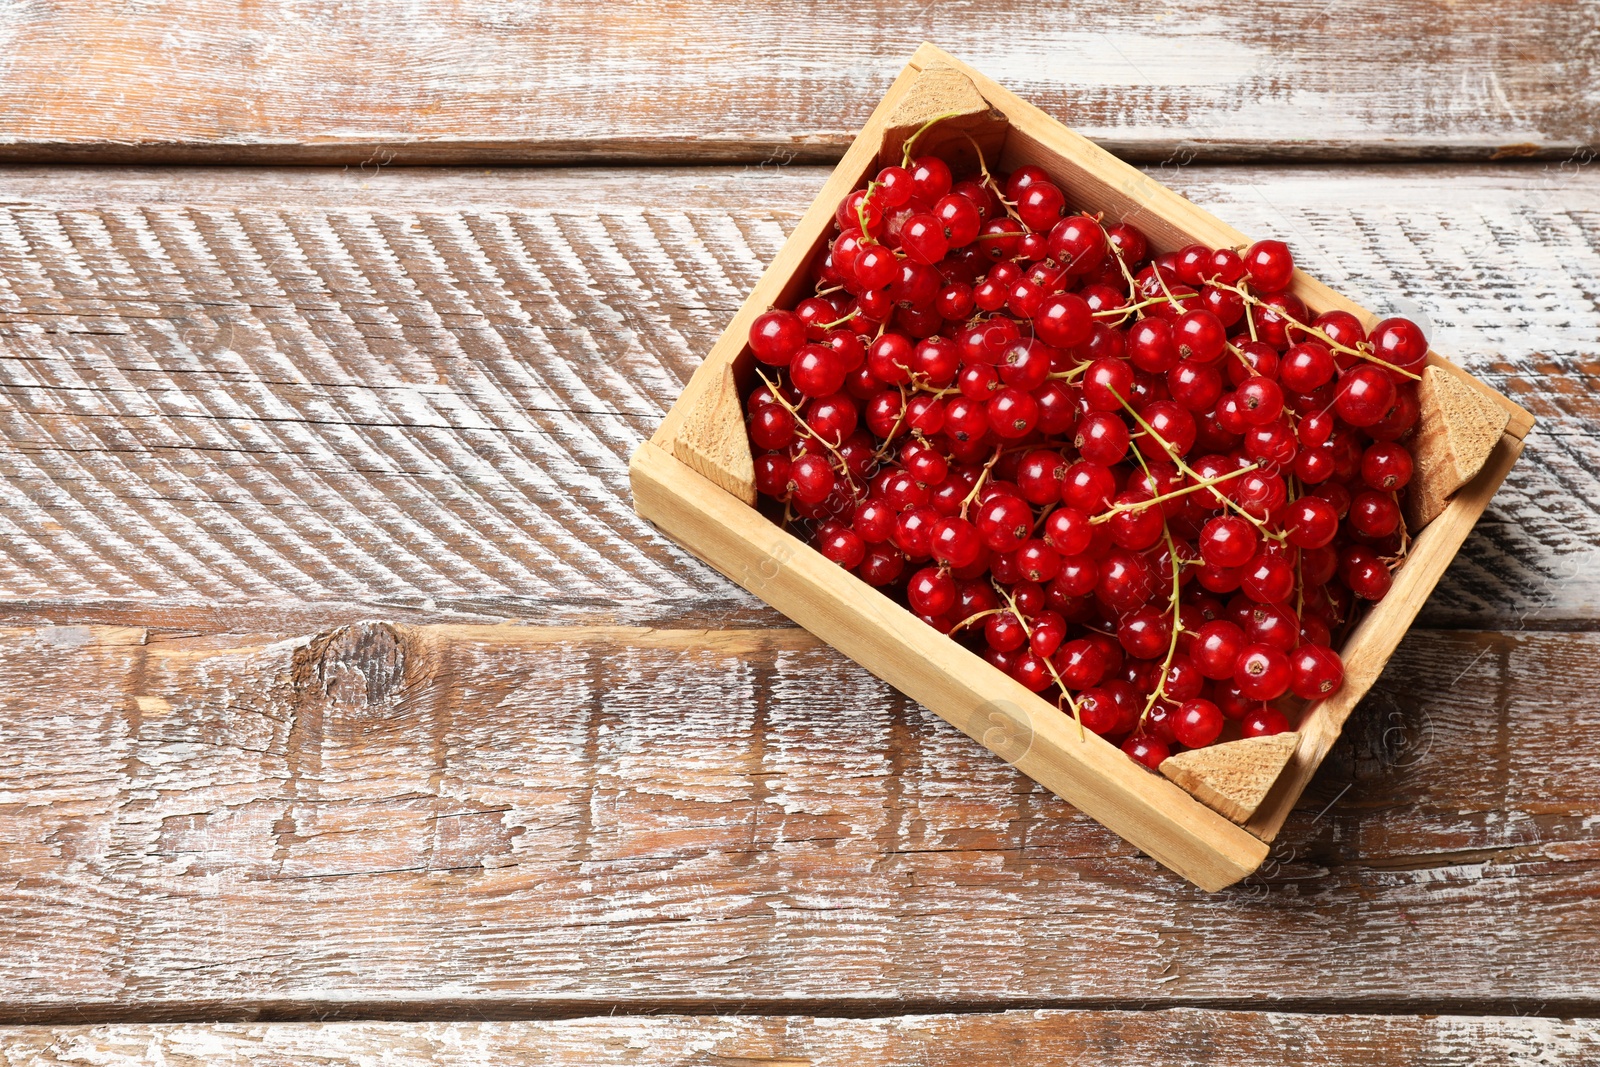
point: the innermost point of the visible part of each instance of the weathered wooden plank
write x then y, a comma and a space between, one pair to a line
417, 821
416, 390
475, 82
1009, 1039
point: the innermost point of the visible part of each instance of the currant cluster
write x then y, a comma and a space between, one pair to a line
1148, 487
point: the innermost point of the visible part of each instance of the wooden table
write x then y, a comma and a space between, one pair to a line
349, 713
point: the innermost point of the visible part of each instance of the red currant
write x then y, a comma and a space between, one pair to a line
1269, 266
1263, 722
1317, 672
1262, 672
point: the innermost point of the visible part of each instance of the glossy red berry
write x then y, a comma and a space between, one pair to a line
1039, 476
1037, 561
1076, 242
772, 427
1136, 525
1107, 384
1067, 532
1311, 522
1269, 266
1146, 750
954, 542
1262, 672
1145, 633
1263, 722
776, 336
1125, 581
1170, 430
1003, 523
1081, 664
1268, 578
1365, 395
1200, 336
1012, 413
1198, 723
1306, 366
1102, 438
1386, 467
1216, 647
842, 545
1228, 541
1088, 487
923, 239
881, 565
931, 592
1365, 573
930, 178
1063, 321
1317, 672
1400, 343
1225, 266
1197, 386
1260, 400
1374, 515
1128, 242
811, 479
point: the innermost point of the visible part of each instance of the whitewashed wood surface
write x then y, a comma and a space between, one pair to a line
417, 390
478, 81
424, 821
281, 448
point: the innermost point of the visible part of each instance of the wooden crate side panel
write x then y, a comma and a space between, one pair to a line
1378, 634
993, 709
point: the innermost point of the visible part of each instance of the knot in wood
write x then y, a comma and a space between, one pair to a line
357, 666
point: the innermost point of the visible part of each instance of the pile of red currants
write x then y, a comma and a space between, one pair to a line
1148, 487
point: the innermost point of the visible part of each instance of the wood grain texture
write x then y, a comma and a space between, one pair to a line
413, 822
414, 392
474, 81
1176, 1038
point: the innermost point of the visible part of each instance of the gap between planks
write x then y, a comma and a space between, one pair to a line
488, 1008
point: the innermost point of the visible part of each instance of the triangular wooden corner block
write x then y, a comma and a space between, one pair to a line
1235, 776
1456, 431
943, 90
712, 438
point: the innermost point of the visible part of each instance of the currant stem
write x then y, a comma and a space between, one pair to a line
801, 424
1321, 335
861, 211
1177, 623
1259, 524
1140, 505
1124, 312
881, 454
970, 619
905, 154
978, 485
1177, 608
1011, 603
1068, 375
988, 179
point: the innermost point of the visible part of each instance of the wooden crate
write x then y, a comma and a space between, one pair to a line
693, 480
